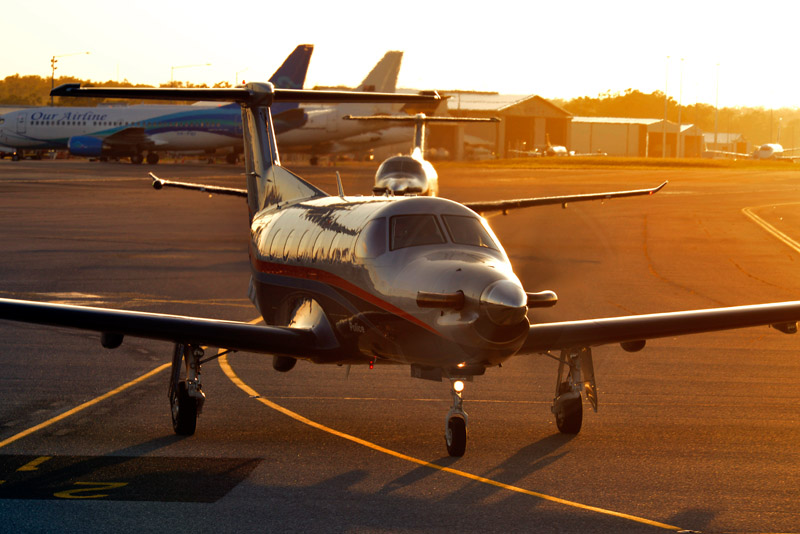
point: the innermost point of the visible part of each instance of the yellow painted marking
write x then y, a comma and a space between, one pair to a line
791, 243
91, 487
83, 406
33, 465
226, 368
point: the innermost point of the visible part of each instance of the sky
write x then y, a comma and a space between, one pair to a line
732, 53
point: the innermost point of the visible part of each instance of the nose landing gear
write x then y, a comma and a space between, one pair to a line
455, 434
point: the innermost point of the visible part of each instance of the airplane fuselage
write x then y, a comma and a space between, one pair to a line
324, 127
405, 175
366, 260
768, 151
168, 127
129, 130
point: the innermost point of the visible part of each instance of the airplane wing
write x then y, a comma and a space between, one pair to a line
505, 205
632, 331
158, 183
113, 324
726, 153
128, 137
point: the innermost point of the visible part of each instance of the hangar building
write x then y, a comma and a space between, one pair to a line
525, 123
619, 136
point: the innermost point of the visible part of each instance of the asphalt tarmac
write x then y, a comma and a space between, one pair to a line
698, 432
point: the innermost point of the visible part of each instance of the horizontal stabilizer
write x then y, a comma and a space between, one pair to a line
158, 183
253, 94
414, 118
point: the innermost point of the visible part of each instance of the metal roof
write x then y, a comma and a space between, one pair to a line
481, 101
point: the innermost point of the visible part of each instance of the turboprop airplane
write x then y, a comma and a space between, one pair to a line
412, 174
407, 280
129, 131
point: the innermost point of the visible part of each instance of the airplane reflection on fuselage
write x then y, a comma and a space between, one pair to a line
366, 260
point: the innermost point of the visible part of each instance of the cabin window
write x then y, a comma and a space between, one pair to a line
414, 231
468, 231
273, 247
371, 241
302, 246
317, 248
288, 244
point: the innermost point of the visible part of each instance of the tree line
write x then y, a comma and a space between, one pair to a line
758, 125
19, 90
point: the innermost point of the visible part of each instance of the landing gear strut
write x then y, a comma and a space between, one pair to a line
185, 396
567, 406
455, 434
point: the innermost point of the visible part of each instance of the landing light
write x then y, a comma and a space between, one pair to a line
458, 386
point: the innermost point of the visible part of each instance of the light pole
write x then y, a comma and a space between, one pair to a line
53, 62
236, 78
172, 70
680, 103
664, 125
716, 112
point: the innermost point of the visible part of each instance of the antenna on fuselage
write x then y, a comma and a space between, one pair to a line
339, 185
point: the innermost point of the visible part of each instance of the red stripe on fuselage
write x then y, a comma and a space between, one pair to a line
309, 273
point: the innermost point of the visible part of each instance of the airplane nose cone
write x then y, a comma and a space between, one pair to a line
504, 302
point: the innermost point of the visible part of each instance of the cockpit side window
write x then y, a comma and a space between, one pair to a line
415, 230
371, 241
468, 231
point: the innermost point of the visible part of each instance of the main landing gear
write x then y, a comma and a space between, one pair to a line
455, 434
567, 406
185, 396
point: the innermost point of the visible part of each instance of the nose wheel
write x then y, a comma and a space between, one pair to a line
455, 434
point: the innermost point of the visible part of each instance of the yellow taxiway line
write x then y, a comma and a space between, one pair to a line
226, 368
788, 241
83, 406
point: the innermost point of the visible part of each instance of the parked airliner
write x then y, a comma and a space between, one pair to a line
405, 280
130, 131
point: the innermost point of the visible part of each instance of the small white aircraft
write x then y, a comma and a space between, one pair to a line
411, 174
405, 280
767, 151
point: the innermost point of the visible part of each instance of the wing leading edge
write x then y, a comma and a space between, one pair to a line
505, 205
635, 329
300, 342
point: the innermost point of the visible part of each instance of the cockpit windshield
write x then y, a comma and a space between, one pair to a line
404, 165
468, 231
415, 230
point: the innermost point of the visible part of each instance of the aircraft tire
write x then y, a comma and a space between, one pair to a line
135, 159
569, 413
184, 411
152, 158
456, 437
